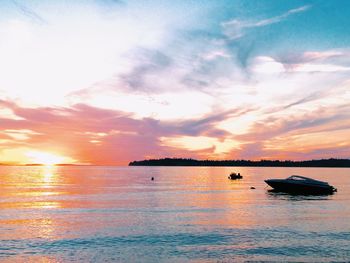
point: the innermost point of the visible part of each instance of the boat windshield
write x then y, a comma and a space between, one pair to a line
305, 179
297, 177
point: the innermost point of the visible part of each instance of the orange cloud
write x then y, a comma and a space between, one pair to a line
93, 135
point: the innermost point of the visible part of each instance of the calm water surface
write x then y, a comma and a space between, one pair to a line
187, 214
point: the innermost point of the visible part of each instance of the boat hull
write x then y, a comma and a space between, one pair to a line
299, 188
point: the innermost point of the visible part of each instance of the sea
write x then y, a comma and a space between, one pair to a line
186, 214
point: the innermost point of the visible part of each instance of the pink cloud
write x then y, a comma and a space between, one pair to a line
121, 137
110, 137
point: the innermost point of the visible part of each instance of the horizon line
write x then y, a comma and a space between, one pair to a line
177, 158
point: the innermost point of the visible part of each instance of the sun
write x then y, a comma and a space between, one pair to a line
44, 158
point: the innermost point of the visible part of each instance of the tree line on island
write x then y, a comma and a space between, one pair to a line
264, 163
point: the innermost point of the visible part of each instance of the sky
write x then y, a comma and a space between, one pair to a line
106, 82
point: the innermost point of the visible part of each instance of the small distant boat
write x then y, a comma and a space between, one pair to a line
300, 184
234, 176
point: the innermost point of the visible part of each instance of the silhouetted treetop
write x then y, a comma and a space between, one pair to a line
268, 163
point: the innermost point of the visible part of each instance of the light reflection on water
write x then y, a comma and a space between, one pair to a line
88, 214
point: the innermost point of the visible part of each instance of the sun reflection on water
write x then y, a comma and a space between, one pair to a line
48, 177
48, 173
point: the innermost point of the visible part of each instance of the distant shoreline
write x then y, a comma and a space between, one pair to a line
332, 162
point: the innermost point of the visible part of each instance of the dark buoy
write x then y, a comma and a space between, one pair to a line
252, 187
152, 178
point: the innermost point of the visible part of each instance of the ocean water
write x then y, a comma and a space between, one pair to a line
187, 214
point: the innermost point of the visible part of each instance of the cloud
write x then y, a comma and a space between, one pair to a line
82, 130
235, 28
20, 134
308, 98
278, 19
281, 136
333, 60
29, 12
207, 125
144, 75
321, 55
320, 68
137, 76
266, 65
83, 45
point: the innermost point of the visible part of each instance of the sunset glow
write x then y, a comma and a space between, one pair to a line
174, 131
108, 82
45, 158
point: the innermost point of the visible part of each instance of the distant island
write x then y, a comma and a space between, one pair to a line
262, 163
